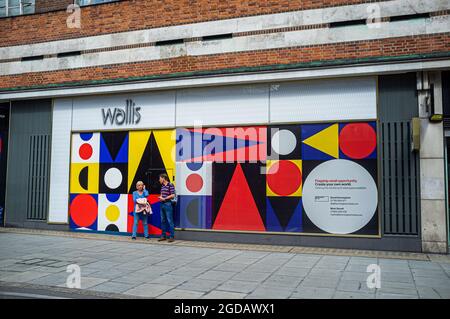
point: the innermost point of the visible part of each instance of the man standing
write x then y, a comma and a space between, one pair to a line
167, 194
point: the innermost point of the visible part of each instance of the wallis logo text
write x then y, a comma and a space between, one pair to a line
120, 116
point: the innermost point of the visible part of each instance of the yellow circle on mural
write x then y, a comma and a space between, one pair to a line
112, 213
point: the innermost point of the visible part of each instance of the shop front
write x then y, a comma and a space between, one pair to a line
294, 158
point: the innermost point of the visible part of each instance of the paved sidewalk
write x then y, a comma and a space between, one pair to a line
133, 269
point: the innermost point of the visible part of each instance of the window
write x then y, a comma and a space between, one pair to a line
90, 2
16, 7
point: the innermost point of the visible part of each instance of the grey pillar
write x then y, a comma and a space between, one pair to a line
432, 172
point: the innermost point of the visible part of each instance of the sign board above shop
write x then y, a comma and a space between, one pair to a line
290, 102
117, 112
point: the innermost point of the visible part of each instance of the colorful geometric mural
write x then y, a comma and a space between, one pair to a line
105, 168
296, 178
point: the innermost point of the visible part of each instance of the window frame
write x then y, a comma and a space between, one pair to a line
77, 2
7, 8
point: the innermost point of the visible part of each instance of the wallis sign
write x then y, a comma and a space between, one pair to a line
127, 115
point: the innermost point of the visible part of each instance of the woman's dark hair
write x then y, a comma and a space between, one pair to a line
166, 178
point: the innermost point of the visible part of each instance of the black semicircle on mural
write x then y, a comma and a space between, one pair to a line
192, 210
112, 227
83, 177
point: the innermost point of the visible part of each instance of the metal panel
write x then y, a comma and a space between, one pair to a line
60, 161
247, 104
399, 166
323, 100
28, 162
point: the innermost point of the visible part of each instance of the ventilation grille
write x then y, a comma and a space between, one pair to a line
446, 122
400, 182
37, 193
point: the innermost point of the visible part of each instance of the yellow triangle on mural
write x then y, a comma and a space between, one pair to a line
165, 139
326, 141
136, 147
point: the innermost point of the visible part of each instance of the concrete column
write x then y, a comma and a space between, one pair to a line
432, 175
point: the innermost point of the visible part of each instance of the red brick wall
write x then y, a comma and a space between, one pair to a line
51, 5
351, 50
129, 15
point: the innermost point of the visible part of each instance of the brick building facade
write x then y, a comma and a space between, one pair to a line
391, 55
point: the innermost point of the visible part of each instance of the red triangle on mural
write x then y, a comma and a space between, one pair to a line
238, 210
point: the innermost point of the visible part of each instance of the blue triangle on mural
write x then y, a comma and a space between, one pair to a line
296, 222
309, 130
122, 155
155, 218
311, 153
272, 222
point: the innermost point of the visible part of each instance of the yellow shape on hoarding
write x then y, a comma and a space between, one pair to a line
326, 141
112, 213
165, 140
84, 178
136, 146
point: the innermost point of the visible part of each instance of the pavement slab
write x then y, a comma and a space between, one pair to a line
217, 294
191, 270
148, 290
181, 294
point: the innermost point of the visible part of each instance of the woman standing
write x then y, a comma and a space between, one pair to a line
139, 193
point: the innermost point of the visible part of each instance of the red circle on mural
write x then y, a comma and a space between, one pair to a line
85, 151
194, 183
357, 140
83, 210
284, 178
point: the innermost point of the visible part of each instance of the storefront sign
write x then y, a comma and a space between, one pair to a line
130, 114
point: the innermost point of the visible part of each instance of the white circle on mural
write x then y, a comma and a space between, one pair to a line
284, 142
113, 178
340, 196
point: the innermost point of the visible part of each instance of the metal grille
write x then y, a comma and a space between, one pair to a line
39, 159
400, 179
446, 122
